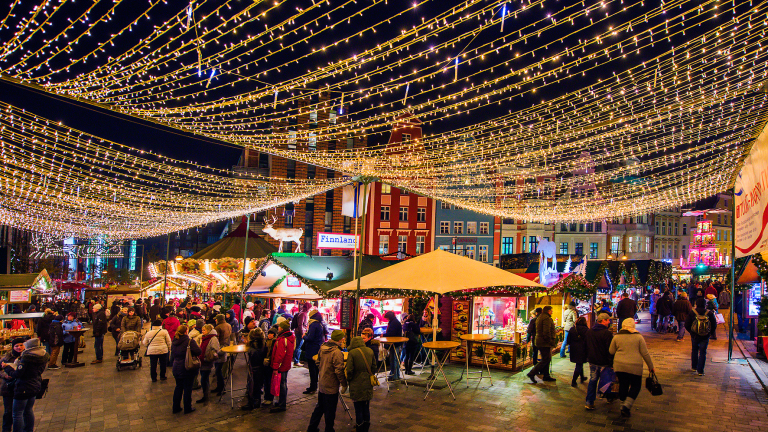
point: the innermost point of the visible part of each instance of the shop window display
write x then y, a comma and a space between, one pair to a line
502, 317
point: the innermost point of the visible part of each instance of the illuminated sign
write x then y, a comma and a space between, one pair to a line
44, 246
19, 296
336, 241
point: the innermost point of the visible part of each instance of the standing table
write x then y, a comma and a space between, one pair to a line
446, 347
482, 338
77, 334
426, 332
232, 351
393, 351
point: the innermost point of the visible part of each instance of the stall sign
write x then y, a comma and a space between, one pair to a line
751, 302
336, 241
292, 282
345, 315
19, 296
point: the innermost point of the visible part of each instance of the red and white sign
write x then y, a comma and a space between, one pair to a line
18, 296
751, 194
336, 241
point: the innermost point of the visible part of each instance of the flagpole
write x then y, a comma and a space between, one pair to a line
356, 307
245, 251
733, 274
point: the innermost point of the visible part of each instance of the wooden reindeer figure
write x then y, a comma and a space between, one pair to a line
283, 234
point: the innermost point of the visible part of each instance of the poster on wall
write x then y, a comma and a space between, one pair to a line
19, 296
751, 195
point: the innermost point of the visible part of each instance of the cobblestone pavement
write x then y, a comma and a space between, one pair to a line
727, 398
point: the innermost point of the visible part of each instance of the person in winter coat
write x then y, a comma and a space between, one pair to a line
154, 310
210, 354
281, 359
532, 336
681, 309
299, 326
194, 333
713, 306
100, 328
224, 333
629, 352
412, 331
184, 378
71, 323
237, 313
158, 344
314, 337
394, 329
546, 339
266, 320
131, 322
626, 308
569, 320
701, 324
361, 363
55, 340
332, 375
248, 311
366, 323
114, 326
577, 340
598, 354
664, 309
231, 319
17, 347
257, 352
171, 323
372, 344
43, 326
652, 309
27, 375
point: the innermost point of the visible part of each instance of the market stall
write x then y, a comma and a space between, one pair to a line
18, 290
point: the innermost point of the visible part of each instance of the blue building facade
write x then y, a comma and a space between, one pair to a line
464, 232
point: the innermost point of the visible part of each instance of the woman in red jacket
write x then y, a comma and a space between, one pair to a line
282, 358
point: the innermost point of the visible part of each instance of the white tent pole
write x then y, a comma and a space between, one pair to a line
435, 324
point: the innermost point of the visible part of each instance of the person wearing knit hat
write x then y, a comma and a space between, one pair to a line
313, 339
629, 352
226, 338
26, 373
281, 359
17, 347
331, 366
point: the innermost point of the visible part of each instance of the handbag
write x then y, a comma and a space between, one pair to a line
274, 387
607, 382
43, 389
653, 386
374, 379
191, 362
719, 318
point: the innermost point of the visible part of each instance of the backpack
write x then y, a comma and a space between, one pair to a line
701, 325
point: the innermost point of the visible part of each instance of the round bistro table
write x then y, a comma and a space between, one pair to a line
232, 352
482, 338
77, 334
445, 347
392, 348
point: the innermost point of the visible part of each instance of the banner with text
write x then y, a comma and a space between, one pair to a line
336, 241
752, 200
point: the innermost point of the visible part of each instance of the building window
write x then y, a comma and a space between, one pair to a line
573, 227
581, 227
444, 205
406, 139
579, 249
403, 214
648, 244
292, 140
533, 241
615, 244
445, 227
593, 249
483, 253
383, 245
332, 117
685, 229
657, 229
350, 143
685, 252
312, 141
718, 235
507, 245
458, 227
421, 215
402, 243
563, 227
630, 244
484, 227
675, 228
590, 227
524, 245
386, 189
470, 252
471, 227
675, 255
385, 213
419, 245
663, 228
313, 116
725, 219
564, 248
656, 251
718, 219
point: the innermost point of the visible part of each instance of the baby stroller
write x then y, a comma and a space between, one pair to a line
129, 350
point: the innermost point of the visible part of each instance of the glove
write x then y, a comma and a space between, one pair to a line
343, 389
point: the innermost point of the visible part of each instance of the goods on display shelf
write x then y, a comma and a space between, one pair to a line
330, 309
501, 317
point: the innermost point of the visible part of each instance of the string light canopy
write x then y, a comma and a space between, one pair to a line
538, 110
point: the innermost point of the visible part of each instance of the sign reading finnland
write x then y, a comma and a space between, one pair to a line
752, 200
336, 241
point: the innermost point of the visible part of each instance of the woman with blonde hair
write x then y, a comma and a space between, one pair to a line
629, 352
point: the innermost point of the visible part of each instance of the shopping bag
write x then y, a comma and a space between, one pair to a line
719, 318
607, 381
653, 386
274, 388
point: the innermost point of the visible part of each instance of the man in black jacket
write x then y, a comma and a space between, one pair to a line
154, 310
598, 354
626, 308
696, 324
546, 339
56, 340
43, 325
100, 328
532, 336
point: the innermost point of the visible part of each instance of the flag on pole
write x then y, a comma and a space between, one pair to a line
352, 200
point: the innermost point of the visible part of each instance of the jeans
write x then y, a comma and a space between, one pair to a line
543, 366
362, 412
47, 347
535, 354
411, 349
654, 319
23, 415
698, 353
219, 377
578, 372
283, 397
7, 413
297, 350
313, 374
394, 364
563, 345
594, 377
153, 360
98, 346
69, 352
183, 388
116, 337
680, 330
205, 382
326, 406
629, 387
661, 327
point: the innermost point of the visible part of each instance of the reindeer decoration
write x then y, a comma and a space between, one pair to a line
283, 234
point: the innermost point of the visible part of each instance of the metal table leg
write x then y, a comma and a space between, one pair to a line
344, 404
440, 363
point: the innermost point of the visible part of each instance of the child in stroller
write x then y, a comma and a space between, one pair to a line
129, 349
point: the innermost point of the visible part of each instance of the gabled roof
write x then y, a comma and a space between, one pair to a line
232, 245
38, 281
